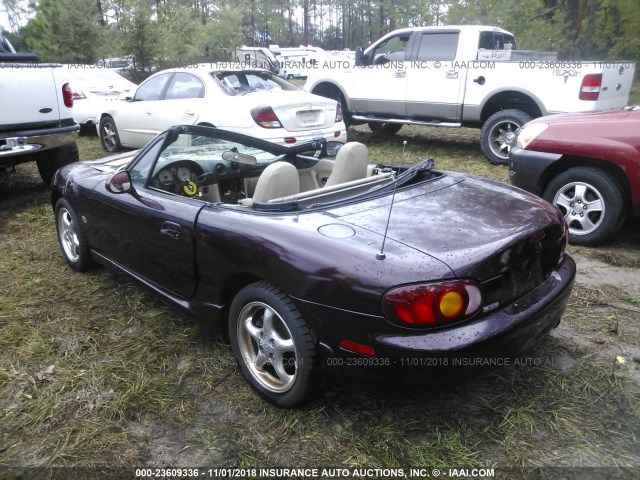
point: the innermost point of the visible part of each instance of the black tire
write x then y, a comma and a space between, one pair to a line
51, 160
284, 374
73, 241
591, 201
109, 137
384, 128
333, 93
498, 134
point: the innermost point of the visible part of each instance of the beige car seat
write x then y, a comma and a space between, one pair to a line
350, 164
277, 180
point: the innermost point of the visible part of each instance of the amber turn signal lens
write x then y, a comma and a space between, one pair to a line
433, 304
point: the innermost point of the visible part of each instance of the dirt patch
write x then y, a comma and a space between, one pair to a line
593, 272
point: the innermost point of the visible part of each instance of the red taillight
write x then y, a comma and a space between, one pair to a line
590, 88
337, 134
67, 95
265, 117
357, 348
290, 140
433, 304
339, 115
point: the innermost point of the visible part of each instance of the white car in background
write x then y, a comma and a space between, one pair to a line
245, 100
92, 87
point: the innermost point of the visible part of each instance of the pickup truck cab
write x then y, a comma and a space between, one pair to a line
36, 118
472, 76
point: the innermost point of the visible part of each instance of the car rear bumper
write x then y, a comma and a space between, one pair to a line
406, 356
26, 142
526, 167
337, 133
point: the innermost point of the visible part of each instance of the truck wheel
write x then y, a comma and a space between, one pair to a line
73, 242
591, 201
498, 134
332, 92
272, 344
384, 128
51, 160
109, 135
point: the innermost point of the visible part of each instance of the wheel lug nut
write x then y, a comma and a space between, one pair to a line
571, 205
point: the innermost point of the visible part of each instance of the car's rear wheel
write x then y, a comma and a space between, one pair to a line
274, 347
498, 134
73, 242
384, 128
332, 92
51, 160
109, 134
591, 201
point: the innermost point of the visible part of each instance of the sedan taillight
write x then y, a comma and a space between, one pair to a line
433, 304
67, 95
265, 117
339, 114
590, 88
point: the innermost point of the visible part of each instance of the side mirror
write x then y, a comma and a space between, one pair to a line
120, 182
333, 148
361, 58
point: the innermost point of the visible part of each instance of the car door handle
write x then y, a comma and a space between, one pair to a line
171, 230
401, 73
452, 75
189, 113
148, 114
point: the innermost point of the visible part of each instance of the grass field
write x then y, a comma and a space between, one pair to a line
96, 372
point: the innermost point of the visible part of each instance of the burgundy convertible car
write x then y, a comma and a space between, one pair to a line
316, 268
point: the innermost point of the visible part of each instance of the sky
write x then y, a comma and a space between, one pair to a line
4, 21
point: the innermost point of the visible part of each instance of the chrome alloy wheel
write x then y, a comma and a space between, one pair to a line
267, 347
109, 135
68, 235
502, 138
582, 205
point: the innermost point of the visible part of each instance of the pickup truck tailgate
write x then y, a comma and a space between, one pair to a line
43, 102
617, 79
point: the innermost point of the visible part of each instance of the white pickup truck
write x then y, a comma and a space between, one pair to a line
36, 120
465, 76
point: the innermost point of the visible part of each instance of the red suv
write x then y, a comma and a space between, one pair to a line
586, 164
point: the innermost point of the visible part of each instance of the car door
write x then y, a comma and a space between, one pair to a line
147, 231
380, 88
182, 102
135, 120
435, 83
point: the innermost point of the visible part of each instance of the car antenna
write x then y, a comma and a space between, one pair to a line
381, 255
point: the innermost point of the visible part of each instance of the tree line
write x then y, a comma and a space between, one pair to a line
164, 33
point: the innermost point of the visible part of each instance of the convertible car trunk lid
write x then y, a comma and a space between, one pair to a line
506, 240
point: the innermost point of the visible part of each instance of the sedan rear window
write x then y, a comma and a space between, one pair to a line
242, 83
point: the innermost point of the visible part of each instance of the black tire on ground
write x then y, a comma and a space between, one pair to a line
274, 347
591, 201
51, 160
73, 242
498, 134
108, 133
333, 93
384, 128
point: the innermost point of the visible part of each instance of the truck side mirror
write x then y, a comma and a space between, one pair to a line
361, 58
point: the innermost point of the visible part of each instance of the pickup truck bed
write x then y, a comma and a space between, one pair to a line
36, 120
